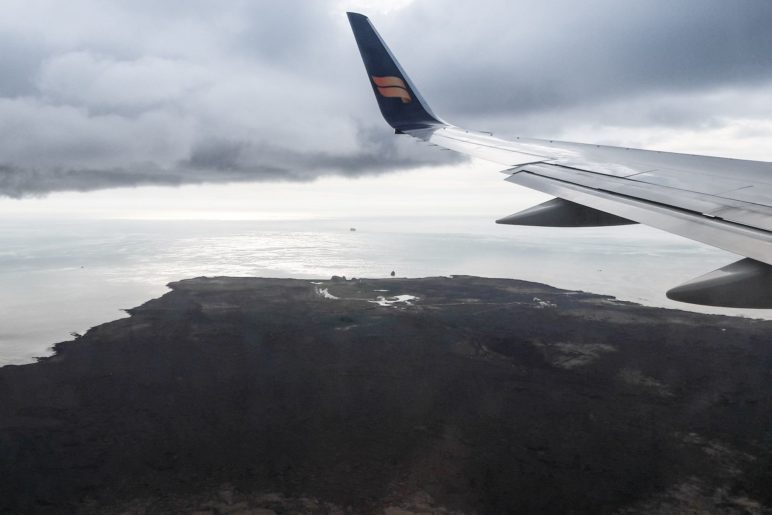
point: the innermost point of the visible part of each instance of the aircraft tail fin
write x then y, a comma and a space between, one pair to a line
401, 104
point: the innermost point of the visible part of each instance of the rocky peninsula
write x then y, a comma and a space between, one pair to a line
438, 395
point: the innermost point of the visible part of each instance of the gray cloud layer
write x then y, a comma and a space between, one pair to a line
106, 94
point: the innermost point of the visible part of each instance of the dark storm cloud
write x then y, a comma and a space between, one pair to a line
227, 161
252, 161
532, 55
538, 53
202, 91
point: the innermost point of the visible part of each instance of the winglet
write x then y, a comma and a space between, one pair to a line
401, 104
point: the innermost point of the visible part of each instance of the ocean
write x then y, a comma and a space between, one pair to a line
62, 277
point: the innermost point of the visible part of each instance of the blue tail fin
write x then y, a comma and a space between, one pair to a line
401, 104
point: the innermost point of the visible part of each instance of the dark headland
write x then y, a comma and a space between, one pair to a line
260, 396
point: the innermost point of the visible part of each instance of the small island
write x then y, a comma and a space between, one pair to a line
437, 395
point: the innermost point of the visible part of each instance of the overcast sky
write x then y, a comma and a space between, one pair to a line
105, 94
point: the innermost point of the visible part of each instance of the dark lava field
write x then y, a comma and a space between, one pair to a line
396, 396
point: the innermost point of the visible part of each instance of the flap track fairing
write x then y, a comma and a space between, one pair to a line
743, 284
559, 212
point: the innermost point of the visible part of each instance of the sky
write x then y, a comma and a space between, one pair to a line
241, 108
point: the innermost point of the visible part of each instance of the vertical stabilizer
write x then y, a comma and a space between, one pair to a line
401, 104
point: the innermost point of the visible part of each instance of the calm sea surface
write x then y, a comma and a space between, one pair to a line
59, 277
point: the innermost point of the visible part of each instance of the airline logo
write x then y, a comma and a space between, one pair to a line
393, 87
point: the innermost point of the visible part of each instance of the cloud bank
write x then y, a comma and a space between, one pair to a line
111, 94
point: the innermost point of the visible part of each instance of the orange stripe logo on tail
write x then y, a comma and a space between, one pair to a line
392, 87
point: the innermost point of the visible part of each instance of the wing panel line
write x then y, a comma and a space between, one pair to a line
739, 239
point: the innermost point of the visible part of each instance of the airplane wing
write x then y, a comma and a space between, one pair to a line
722, 202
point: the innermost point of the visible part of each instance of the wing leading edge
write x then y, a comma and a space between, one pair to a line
726, 203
